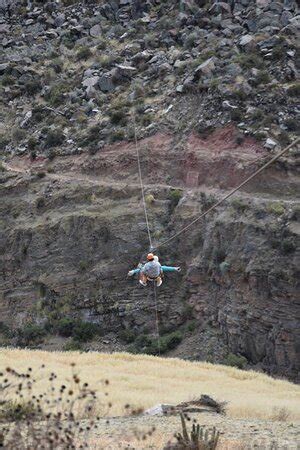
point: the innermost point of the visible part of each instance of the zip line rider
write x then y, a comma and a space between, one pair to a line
152, 271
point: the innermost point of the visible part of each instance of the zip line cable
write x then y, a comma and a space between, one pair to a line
141, 183
213, 207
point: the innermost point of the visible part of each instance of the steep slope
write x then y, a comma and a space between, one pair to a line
74, 228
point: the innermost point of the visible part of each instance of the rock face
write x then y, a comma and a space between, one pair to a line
68, 239
210, 90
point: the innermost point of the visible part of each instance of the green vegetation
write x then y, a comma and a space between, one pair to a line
288, 246
54, 138
15, 411
83, 53
175, 196
151, 345
197, 438
128, 336
235, 361
73, 346
294, 90
276, 208
250, 60
85, 331
30, 334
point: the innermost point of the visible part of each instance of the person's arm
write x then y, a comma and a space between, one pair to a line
170, 269
133, 272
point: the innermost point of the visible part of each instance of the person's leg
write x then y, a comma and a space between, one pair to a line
158, 281
143, 279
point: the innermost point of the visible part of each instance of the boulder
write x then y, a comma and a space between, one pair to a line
91, 81
105, 83
96, 31
205, 68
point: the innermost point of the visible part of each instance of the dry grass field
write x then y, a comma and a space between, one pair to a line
144, 381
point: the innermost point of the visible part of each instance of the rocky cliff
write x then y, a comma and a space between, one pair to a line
213, 91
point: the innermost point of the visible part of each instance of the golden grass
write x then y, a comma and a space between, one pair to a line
144, 381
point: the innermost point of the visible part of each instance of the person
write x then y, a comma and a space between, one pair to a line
152, 270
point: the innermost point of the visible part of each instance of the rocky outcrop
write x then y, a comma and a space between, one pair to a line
72, 228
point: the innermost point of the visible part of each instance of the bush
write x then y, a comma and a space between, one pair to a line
174, 196
8, 80
262, 77
294, 90
249, 60
30, 334
32, 87
73, 346
235, 361
18, 135
288, 246
65, 327
32, 143
56, 95
152, 346
127, 336
276, 208
4, 141
190, 41
118, 117
15, 411
85, 331
54, 138
292, 124
83, 53
117, 135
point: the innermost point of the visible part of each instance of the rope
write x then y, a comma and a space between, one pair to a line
156, 318
213, 207
141, 183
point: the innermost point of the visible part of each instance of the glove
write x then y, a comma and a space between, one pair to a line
130, 273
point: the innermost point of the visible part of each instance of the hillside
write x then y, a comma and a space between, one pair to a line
211, 90
260, 409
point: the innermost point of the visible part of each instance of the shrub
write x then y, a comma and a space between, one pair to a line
236, 115
127, 336
174, 196
18, 134
276, 208
117, 135
292, 124
31, 333
149, 199
31, 87
72, 346
190, 41
197, 438
8, 80
249, 60
239, 204
65, 327
15, 411
153, 346
54, 138
191, 326
288, 246
85, 331
262, 77
235, 361
56, 95
83, 53
118, 117
294, 90
32, 143
83, 265
4, 141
